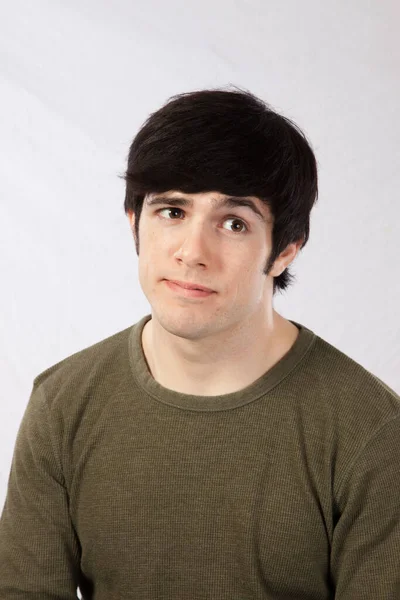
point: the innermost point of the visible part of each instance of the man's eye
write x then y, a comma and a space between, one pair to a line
238, 221
242, 223
169, 209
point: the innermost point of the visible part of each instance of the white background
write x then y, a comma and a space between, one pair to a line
79, 77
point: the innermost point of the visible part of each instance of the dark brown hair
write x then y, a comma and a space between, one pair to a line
231, 142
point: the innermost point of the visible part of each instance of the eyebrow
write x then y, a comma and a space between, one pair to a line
227, 202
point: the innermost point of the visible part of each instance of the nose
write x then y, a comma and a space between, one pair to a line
194, 249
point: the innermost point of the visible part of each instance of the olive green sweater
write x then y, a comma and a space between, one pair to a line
287, 489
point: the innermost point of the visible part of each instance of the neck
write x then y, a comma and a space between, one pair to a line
220, 364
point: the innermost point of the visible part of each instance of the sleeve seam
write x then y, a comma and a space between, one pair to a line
53, 446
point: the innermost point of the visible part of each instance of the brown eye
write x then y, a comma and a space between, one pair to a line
241, 223
169, 209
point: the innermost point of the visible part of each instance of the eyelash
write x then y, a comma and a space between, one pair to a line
227, 218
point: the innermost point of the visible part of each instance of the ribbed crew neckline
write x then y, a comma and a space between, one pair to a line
259, 387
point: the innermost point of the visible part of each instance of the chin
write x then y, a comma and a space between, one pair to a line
183, 323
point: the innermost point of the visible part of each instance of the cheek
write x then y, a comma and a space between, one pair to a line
245, 277
249, 272
151, 261
150, 246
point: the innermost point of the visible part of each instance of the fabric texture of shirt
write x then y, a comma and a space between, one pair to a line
286, 489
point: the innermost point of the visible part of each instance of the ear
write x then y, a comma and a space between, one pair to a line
132, 220
285, 258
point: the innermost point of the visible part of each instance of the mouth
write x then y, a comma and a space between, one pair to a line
188, 292
190, 286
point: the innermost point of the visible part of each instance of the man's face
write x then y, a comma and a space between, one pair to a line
222, 248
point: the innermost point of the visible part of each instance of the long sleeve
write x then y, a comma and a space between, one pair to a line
39, 549
365, 555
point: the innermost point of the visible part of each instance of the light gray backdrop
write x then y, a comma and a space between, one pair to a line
78, 78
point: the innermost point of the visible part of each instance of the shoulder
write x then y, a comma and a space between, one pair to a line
342, 377
345, 409
96, 367
344, 402
332, 374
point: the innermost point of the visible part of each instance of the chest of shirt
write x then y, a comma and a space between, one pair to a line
184, 502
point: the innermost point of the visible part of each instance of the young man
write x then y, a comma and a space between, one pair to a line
214, 449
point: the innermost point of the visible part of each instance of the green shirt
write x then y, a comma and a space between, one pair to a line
286, 489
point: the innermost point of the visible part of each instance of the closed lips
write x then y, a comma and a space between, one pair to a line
191, 286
